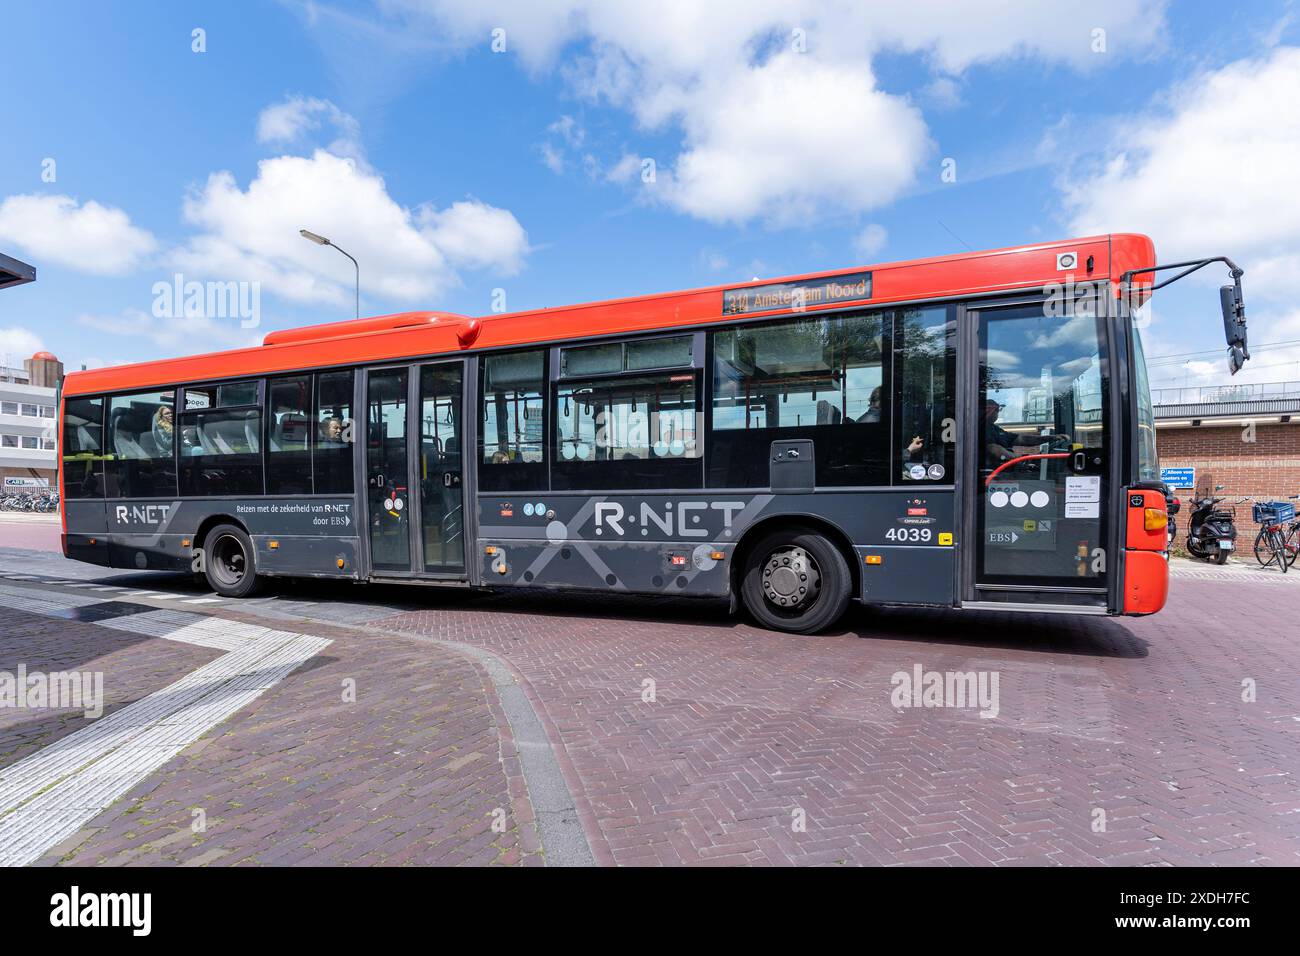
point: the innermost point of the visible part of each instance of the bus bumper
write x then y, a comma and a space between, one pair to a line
1146, 582
1146, 567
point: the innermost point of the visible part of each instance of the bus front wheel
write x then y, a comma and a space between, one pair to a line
796, 581
230, 563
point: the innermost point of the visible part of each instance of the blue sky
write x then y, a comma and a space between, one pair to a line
786, 137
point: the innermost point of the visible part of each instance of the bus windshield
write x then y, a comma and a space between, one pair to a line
1148, 460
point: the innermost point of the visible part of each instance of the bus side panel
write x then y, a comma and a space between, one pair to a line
908, 575
149, 552
311, 535
685, 543
86, 537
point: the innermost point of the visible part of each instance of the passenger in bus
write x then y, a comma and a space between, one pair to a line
999, 444
330, 431
912, 452
872, 414
164, 428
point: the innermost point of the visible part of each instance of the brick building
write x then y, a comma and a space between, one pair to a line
1246, 436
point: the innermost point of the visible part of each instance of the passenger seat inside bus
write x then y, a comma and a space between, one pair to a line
128, 431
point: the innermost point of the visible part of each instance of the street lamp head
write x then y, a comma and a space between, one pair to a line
319, 240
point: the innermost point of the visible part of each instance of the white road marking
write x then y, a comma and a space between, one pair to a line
46, 797
203, 600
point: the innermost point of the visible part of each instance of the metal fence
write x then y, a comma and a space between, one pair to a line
1222, 394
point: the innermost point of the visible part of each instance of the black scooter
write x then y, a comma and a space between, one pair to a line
1211, 533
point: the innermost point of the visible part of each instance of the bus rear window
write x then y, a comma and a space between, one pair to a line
83, 447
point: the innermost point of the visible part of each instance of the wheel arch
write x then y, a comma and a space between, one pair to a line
211, 521
829, 530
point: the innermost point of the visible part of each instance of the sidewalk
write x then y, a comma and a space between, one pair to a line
373, 751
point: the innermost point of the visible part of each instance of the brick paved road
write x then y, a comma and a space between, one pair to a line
1142, 720
756, 748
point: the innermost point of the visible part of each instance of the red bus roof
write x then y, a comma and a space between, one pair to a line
419, 334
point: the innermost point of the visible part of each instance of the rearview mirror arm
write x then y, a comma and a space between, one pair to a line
1191, 266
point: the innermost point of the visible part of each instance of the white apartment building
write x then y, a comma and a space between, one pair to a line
28, 424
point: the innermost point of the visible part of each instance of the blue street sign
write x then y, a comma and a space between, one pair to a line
1178, 477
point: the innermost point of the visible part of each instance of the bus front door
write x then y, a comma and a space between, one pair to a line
1039, 456
414, 468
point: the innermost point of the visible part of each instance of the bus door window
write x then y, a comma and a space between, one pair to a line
1042, 398
386, 467
441, 460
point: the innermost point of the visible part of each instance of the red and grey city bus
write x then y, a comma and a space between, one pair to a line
966, 431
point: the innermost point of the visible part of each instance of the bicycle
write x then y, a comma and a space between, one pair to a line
1292, 542
1271, 542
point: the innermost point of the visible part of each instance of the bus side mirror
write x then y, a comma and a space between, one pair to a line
1234, 325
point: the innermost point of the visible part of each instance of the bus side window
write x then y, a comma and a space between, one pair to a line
512, 436
83, 447
334, 436
924, 371
221, 440
627, 431
141, 441
288, 436
823, 378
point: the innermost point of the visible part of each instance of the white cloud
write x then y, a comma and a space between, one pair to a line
88, 237
405, 255
1211, 173
870, 241
824, 156
772, 133
565, 135
172, 336
289, 123
16, 344
476, 236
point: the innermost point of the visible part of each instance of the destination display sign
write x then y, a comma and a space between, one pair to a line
809, 294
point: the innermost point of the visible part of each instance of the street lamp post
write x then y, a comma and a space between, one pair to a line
322, 241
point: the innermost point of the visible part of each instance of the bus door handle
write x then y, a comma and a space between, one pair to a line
377, 481
450, 479
1080, 460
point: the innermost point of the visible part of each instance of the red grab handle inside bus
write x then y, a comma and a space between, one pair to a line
1011, 461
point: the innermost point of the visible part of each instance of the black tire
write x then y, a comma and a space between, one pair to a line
1262, 553
805, 570
230, 562
1221, 557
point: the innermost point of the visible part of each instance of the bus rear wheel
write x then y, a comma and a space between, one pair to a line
796, 581
230, 563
